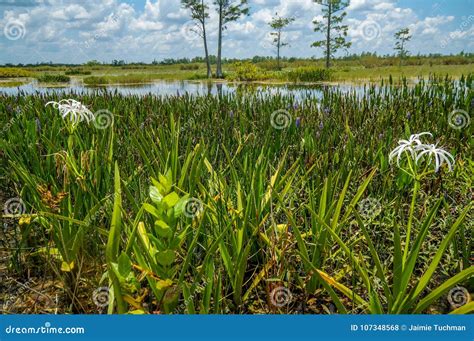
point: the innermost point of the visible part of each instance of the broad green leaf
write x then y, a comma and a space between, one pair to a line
180, 206
124, 265
165, 258
152, 210
170, 200
162, 229
155, 195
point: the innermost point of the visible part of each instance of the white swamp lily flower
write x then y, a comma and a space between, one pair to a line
409, 146
438, 154
76, 111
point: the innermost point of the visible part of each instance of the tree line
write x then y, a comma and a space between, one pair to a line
331, 26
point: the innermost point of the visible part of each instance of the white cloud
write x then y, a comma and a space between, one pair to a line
80, 30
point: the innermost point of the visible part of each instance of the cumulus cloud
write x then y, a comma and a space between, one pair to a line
81, 30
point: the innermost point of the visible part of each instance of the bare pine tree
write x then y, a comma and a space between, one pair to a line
278, 24
402, 36
228, 11
200, 14
332, 27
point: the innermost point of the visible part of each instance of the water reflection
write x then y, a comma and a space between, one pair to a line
175, 88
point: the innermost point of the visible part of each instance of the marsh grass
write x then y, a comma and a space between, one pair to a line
279, 208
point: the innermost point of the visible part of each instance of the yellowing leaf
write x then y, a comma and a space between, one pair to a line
163, 284
67, 267
24, 221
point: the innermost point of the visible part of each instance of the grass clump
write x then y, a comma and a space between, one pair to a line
308, 74
49, 78
95, 80
72, 72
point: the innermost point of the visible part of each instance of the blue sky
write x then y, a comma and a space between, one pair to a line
76, 31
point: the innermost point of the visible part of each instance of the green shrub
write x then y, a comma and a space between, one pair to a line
189, 67
270, 65
245, 71
309, 74
77, 72
53, 78
94, 80
14, 72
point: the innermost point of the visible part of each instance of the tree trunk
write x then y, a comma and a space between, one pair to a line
206, 50
278, 51
328, 37
401, 55
219, 46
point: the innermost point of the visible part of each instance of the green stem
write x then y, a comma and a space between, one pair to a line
416, 188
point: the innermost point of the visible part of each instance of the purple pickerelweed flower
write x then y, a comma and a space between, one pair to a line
231, 114
327, 110
408, 115
321, 126
298, 122
295, 106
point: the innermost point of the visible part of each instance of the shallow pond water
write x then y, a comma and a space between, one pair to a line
171, 88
